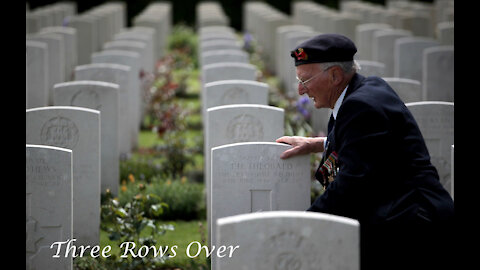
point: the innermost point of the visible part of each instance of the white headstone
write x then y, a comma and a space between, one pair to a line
438, 73
133, 46
117, 74
251, 177
145, 35
228, 71
408, 90
345, 23
239, 123
69, 35
446, 33
371, 68
219, 44
104, 97
49, 206
364, 38
133, 60
56, 60
37, 74
212, 57
86, 37
228, 92
408, 54
77, 129
288, 240
436, 123
383, 45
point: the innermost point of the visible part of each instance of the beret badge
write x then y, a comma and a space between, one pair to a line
300, 54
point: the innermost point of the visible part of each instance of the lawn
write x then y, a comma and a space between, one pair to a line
184, 233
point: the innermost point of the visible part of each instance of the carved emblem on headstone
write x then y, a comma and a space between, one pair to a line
86, 98
234, 95
289, 251
245, 128
61, 132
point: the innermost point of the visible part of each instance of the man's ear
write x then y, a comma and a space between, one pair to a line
336, 75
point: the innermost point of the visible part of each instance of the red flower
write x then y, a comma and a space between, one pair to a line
301, 55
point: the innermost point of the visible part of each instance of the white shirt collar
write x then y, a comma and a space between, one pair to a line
339, 103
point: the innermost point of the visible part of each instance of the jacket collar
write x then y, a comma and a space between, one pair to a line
354, 83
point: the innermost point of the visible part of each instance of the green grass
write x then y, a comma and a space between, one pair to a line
185, 233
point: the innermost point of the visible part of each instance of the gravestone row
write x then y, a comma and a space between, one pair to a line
83, 83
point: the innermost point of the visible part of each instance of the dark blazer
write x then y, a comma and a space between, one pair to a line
385, 178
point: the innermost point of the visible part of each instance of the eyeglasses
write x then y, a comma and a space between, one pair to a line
304, 83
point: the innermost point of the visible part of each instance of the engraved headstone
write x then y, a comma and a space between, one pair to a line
117, 74
104, 97
239, 123
436, 122
234, 92
49, 206
250, 177
289, 240
77, 129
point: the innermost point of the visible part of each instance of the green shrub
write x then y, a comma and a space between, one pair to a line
128, 223
182, 45
185, 198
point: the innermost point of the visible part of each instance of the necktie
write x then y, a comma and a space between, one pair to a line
331, 123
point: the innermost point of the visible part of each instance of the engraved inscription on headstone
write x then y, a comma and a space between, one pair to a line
245, 128
86, 98
288, 240
286, 251
234, 95
77, 129
61, 132
250, 177
436, 123
49, 193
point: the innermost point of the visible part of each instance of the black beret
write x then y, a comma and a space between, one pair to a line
324, 48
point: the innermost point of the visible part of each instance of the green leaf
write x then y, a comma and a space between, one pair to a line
156, 210
121, 212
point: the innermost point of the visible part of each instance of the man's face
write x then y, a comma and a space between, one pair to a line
316, 84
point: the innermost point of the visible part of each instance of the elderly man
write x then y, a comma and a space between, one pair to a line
375, 167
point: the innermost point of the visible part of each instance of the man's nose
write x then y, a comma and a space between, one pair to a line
301, 89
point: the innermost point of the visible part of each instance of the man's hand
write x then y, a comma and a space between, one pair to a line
301, 145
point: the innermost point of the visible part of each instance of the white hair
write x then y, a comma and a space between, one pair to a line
347, 66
